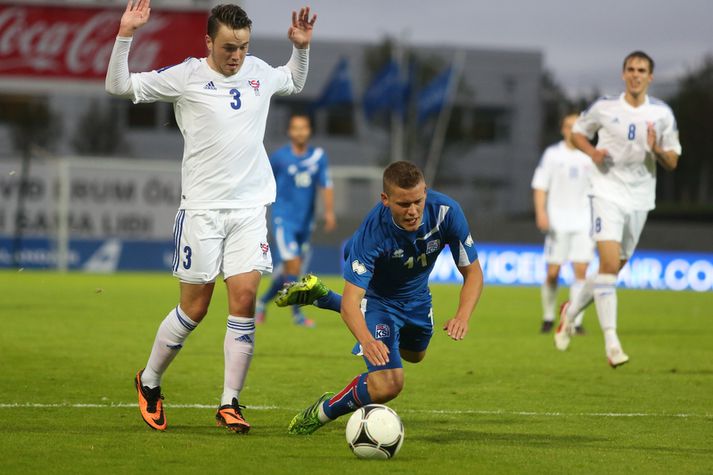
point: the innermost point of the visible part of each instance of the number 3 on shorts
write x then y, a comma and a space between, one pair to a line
187, 261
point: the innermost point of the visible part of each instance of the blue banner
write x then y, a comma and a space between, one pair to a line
387, 91
512, 264
433, 97
338, 89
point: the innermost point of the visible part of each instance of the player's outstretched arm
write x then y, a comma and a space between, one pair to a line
457, 327
374, 350
300, 31
135, 16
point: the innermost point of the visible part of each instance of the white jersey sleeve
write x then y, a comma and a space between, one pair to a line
165, 84
588, 122
543, 173
668, 134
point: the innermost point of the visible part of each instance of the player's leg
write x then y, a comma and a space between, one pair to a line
287, 248
554, 252
605, 296
246, 257
293, 268
580, 276
196, 264
377, 385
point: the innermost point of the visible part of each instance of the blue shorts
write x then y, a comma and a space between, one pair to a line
291, 241
400, 325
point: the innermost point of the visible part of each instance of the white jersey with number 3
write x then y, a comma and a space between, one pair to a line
222, 119
628, 177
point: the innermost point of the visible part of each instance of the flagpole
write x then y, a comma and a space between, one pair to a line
444, 116
397, 123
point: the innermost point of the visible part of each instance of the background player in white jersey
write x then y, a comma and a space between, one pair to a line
221, 104
635, 133
301, 170
560, 193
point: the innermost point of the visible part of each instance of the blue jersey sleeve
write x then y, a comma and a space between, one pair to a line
361, 255
459, 238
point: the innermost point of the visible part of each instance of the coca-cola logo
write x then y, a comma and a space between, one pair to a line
72, 43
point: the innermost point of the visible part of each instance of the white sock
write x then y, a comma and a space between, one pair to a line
171, 334
584, 298
574, 290
238, 348
606, 303
549, 301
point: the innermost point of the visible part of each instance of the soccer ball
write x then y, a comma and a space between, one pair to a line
375, 432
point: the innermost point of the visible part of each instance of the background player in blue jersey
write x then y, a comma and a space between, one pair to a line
386, 302
300, 170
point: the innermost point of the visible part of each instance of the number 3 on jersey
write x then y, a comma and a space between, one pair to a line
235, 104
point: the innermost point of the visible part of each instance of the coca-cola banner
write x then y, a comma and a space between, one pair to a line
67, 42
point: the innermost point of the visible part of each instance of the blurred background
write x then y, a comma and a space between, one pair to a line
470, 91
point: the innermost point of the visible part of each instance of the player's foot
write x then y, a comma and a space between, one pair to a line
231, 417
150, 404
259, 313
307, 421
305, 291
579, 330
617, 357
565, 330
546, 326
301, 320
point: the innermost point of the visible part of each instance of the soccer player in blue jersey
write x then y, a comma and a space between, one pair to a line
386, 302
300, 171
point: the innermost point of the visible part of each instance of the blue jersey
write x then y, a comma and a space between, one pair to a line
392, 263
297, 178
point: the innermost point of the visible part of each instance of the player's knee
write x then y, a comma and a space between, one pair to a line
412, 356
385, 389
195, 310
243, 302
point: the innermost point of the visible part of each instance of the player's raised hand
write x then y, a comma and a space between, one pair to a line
300, 32
651, 136
135, 16
376, 352
456, 328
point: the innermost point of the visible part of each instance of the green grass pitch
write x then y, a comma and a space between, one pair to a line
501, 401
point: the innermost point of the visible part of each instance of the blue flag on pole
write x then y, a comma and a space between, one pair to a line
386, 92
338, 89
433, 96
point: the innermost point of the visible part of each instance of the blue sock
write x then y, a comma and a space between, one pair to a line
331, 301
349, 399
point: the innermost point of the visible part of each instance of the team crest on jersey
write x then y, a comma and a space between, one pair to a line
381, 331
255, 84
469, 241
398, 254
358, 267
265, 248
432, 246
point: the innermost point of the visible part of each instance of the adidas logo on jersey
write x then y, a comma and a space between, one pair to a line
210, 86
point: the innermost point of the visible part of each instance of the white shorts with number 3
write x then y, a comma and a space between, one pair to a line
227, 241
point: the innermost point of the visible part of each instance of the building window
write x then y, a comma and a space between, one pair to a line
340, 121
479, 124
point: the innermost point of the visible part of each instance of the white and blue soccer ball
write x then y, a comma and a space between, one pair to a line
375, 432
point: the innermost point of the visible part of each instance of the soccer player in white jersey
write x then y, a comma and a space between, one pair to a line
560, 192
221, 104
635, 133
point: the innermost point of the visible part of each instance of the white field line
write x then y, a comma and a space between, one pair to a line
497, 412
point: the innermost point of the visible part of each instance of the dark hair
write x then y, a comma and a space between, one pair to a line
640, 55
402, 174
302, 115
231, 16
